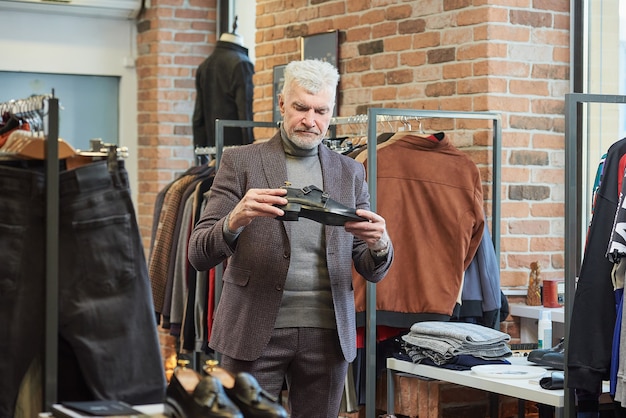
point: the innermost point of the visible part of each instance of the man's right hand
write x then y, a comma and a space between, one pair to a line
255, 203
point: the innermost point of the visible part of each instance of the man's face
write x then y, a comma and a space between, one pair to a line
306, 116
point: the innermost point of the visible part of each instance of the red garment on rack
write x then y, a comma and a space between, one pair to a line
4, 136
210, 304
383, 333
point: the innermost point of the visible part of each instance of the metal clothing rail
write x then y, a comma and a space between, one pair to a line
52, 255
52, 175
220, 124
573, 217
373, 115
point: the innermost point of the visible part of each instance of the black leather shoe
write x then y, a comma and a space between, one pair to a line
190, 395
244, 390
553, 360
312, 203
553, 357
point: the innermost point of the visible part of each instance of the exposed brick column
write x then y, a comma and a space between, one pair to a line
174, 36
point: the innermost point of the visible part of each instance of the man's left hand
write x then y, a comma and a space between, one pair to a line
374, 232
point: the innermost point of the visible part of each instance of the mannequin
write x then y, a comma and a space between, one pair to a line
224, 91
232, 37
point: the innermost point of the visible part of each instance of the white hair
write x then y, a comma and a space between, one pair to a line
312, 75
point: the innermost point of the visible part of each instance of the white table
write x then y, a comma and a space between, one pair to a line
524, 389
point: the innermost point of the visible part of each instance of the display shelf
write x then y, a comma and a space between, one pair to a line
529, 315
532, 312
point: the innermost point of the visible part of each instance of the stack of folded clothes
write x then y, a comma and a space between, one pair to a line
456, 345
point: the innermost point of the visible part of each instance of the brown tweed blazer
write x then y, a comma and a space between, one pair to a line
257, 268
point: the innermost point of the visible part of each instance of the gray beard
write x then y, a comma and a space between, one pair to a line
292, 148
305, 144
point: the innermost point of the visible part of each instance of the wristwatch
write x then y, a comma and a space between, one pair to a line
381, 253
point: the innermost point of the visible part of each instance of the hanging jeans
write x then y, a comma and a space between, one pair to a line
106, 315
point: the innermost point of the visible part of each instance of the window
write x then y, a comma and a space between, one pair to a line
89, 105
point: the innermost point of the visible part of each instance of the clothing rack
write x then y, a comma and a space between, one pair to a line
31, 110
373, 115
574, 142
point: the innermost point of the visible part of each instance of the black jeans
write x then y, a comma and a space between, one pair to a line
106, 316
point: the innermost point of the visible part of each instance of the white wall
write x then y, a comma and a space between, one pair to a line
58, 44
246, 16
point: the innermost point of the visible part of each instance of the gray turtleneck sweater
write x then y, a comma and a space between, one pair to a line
307, 299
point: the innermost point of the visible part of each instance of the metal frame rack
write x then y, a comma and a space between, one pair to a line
373, 114
372, 120
52, 255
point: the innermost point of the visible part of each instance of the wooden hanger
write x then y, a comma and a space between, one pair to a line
26, 144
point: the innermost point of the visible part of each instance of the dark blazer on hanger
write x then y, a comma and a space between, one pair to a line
252, 290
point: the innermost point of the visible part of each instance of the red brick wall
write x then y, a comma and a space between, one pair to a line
453, 55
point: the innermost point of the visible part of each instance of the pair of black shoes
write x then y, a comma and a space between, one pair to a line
218, 394
312, 203
553, 357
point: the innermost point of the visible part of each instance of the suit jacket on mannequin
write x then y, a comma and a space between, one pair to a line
255, 275
224, 90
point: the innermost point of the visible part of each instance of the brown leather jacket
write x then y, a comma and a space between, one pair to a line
430, 195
